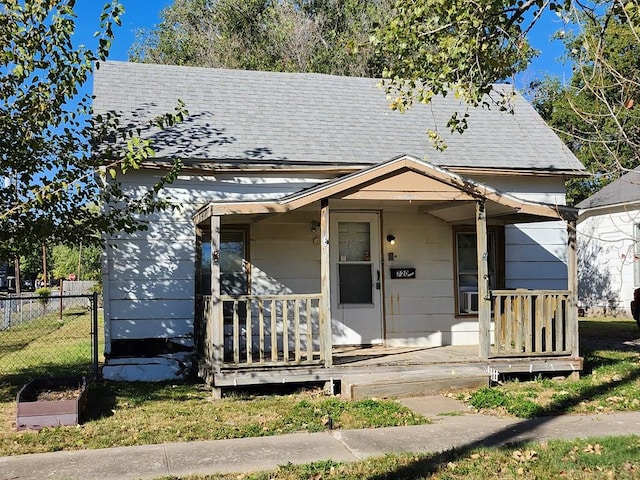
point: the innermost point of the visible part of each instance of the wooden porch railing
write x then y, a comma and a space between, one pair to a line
533, 322
203, 330
264, 330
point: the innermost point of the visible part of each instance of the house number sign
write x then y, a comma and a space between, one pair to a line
403, 273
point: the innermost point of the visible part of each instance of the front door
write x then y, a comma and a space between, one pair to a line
355, 278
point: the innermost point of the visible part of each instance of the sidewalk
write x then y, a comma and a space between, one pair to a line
463, 430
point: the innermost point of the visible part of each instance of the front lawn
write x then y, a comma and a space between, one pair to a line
143, 413
610, 380
590, 459
125, 414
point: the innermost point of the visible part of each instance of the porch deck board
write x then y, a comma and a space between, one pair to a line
379, 355
414, 382
396, 372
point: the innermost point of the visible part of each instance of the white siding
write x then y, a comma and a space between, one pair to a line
284, 256
149, 276
533, 188
606, 254
535, 253
420, 311
535, 256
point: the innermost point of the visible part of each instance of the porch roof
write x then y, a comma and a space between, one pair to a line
434, 190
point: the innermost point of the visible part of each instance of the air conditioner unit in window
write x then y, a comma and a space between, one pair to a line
469, 302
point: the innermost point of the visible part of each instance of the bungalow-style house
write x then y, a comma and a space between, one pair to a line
315, 221
609, 246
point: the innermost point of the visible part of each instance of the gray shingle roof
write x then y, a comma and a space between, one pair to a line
257, 117
626, 189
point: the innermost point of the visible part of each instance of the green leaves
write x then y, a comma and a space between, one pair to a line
436, 46
595, 113
327, 36
49, 155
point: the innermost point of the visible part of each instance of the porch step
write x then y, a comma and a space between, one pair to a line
435, 379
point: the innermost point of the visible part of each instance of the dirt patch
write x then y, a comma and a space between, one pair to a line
52, 389
58, 394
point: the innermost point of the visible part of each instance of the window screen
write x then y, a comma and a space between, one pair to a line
355, 283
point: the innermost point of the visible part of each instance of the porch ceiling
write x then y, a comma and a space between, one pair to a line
465, 211
431, 189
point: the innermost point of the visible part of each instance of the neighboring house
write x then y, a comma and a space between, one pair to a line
609, 245
312, 216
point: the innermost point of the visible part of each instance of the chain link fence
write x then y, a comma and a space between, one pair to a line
52, 336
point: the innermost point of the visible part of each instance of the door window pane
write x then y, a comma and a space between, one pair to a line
355, 283
354, 241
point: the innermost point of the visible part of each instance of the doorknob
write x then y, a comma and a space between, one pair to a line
377, 279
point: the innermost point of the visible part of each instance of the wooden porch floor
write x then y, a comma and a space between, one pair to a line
407, 356
378, 371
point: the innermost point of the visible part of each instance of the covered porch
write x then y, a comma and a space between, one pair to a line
247, 334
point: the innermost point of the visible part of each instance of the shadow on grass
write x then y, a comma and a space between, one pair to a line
511, 436
595, 338
102, 400
596, 334
20, 337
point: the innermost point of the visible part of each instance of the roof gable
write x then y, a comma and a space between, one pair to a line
405, 184
266, 117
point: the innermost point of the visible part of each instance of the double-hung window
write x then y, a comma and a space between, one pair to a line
466, 267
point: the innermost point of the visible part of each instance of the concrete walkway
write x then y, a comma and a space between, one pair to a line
456, 428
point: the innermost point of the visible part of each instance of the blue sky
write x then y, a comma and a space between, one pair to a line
138, 14
145, 14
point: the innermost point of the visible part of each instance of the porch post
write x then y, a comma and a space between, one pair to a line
484, 298
215, 322
572, 286
325, 285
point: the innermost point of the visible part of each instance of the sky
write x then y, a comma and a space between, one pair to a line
138, 14
141, 14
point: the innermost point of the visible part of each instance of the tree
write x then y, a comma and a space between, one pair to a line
437, 47
50, 167
463, 47
83, 262
323, 36
594, 113
31, 264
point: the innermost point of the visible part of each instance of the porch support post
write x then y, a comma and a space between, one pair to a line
325, 285
215, 315
484, 298
572, 286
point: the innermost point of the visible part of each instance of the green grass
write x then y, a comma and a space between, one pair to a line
604, 458
124, 414
46, 347
610, 381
